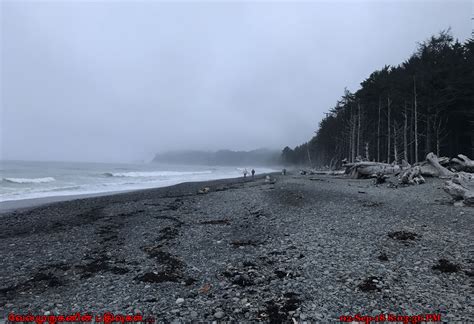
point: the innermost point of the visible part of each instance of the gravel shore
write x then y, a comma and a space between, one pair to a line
304, 248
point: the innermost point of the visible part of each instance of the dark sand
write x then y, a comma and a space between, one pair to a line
304, 248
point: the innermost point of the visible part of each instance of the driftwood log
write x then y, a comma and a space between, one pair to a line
463, 163
432, 159
461, 187
370, 169
412, 176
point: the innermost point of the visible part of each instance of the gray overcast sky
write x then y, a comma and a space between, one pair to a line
119, 81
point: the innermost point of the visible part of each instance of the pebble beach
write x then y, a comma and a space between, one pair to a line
296, 248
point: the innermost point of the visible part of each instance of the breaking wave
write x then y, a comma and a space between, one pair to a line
154, 173
29, 180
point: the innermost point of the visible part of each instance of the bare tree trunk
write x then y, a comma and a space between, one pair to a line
378, 133
405, 139
439, 131
358, 128
388, 129
428, 132
395, 152
437, 143
353, 139
367, 150
350, 140
309, 156
416, 120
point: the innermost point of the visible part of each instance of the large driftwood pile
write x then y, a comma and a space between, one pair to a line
460, 184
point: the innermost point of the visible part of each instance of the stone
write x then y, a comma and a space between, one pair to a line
179, 301
219, 314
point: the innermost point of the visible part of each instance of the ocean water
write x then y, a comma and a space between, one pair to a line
27, 180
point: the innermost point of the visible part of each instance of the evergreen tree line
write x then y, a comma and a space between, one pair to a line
425, 104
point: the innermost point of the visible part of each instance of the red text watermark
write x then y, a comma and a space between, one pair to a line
106, 318
391, 318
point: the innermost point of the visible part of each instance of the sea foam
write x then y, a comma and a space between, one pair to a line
154, 173
29, 180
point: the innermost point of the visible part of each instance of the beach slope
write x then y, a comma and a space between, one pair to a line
304, 247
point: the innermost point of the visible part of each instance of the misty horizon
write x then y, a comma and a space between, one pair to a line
120, 82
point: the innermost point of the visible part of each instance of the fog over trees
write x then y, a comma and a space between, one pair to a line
425, 104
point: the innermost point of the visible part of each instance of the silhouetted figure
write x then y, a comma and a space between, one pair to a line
283, 172
253, 172
245, 173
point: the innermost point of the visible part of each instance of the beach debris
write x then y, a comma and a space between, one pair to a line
402, 235
239, 243
460, 185
280, 310
371, 204
463, 163
224, 221
446, 266
204, 190
268, 179
432, 166
442, 172
412, 176
461, 188
367, 169
369, 284
380, 178
205, 289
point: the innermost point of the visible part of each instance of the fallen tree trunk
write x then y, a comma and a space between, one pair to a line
370, 169
463, 163
442, 172
461, 187
428, 170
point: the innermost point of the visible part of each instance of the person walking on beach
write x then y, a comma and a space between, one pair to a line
253, 173
245, 173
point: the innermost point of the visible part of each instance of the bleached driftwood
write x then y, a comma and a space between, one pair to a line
463, 163
370, 169
328, 172
428, 170
461, 187
443, 160
432, 165
442, 172
321, 172
412, 176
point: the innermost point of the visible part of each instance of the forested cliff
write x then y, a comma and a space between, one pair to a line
425, 104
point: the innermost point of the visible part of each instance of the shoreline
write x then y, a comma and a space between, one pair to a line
22, 204
302, 248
